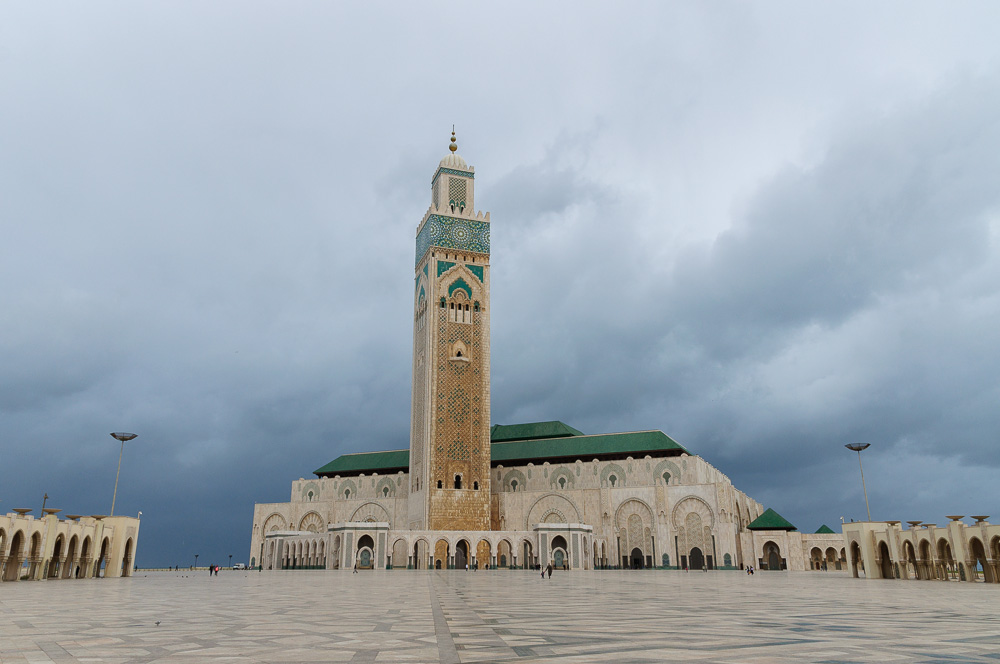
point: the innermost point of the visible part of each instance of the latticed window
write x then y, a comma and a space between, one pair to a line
456, 192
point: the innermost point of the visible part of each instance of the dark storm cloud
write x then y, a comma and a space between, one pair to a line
767, 231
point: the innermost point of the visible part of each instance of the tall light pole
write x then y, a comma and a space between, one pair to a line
122, 436
857, 447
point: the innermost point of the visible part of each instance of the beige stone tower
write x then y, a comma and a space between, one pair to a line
450, 416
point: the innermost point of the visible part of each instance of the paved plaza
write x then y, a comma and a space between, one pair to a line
458, 616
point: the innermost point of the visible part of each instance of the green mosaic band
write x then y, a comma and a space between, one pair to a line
453, 233
452, 171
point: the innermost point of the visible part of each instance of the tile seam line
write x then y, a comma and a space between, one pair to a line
447, 653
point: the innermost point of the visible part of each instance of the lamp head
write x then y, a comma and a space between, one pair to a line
123, 435
857, 447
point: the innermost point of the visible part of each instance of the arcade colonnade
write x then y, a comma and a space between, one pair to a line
77, 547
926, 552
373, 545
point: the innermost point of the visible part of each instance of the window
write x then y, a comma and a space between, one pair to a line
562, 482
666, 478
475, 486
458, 481
612, 479
385, 491
310, 496
513, 485
347, 493
440, 484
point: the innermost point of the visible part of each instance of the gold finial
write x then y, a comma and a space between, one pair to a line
454, 144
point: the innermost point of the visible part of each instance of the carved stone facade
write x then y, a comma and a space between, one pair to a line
72, 548
520, 496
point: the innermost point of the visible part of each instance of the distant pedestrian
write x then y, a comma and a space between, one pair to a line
543, 574
355, 568
548, 569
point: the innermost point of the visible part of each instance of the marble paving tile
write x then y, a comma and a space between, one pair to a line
498, 616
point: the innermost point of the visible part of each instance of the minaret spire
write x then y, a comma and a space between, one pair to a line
454, 143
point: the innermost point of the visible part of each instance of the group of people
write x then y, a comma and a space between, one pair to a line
213, 569
548, 569
749, 570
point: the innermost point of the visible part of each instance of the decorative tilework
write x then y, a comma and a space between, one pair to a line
425, 269
452, 171
444, 266
457, 284
453, 233
456, 191
476, 270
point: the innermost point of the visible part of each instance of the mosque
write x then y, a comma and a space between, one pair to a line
471, 493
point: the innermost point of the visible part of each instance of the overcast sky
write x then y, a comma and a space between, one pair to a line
767, 229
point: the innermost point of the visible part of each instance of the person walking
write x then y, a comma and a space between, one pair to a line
548, 569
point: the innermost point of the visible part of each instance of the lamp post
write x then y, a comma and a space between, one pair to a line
857, 447
230, 561
196, 561
122, 436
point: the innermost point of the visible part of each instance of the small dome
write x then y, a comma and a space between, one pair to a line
454, 160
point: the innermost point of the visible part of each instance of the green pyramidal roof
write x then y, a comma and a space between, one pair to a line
825, 530
367, 462
542, 441
531, 431
770, 520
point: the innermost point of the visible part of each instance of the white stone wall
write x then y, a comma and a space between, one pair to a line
627, 502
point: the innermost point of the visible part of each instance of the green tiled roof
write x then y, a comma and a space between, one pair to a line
825, 530
537, 450
532, 431
770, 520
367, 462
636, 443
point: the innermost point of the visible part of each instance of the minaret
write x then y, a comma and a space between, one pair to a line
450, 412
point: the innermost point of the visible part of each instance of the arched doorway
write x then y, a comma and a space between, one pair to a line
461, 554
67, 569
816, 559
831, 559
420, 554
635, 558
528, 559
12, 570
559, 550
442, 552
910, 557
102, 559
85, 556
57, 552
35, 556
857, 564
772, 556
503, 553
885, 562
366, 552
696, 558
399, 553
978, 552
945, 559
483, 554
127, 558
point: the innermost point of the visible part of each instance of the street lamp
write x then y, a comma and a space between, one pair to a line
230, 561
122, 436
857, 447
196, 561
